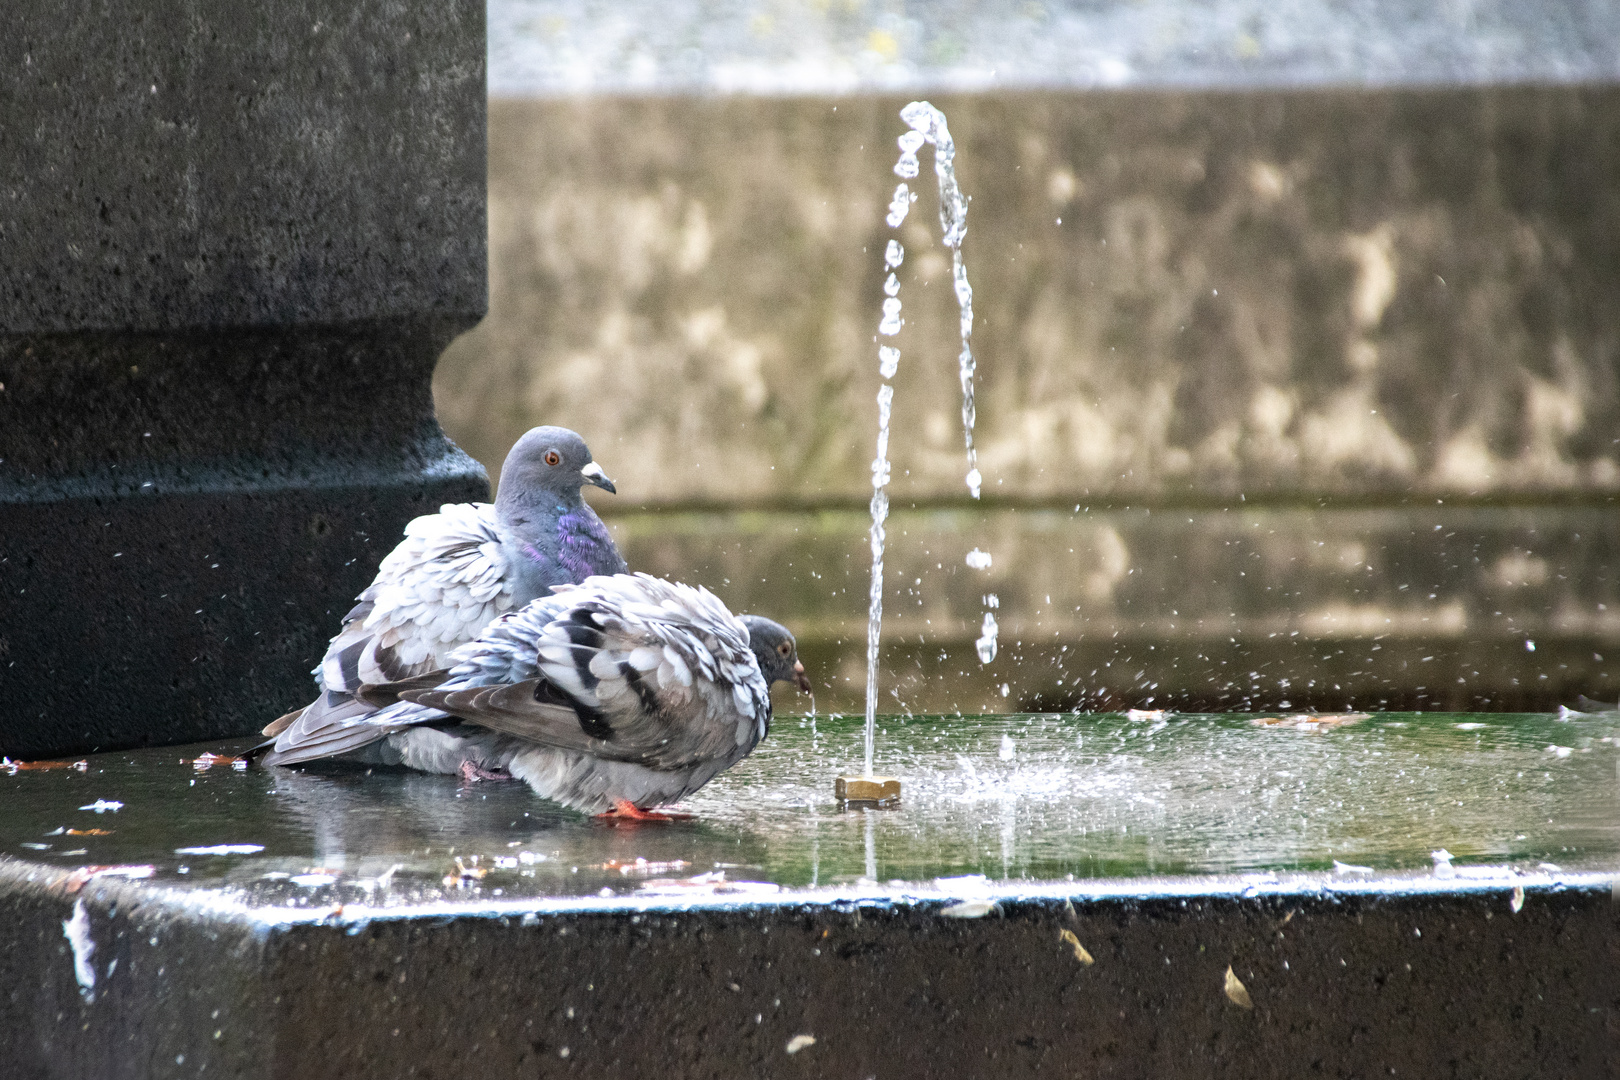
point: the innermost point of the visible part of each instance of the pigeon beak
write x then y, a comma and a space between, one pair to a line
593, 474
799, 677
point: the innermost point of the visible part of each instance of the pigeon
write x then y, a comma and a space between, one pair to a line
613, 696
459, 569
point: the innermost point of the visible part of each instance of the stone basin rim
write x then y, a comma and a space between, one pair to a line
217, 903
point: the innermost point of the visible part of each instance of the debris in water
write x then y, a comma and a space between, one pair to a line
1560, 751
221, 849
465, 876
101, 806
1236, 992
1350, 868
712, 882
969, 909
1516, 901
800, 1042
978, 560
642, 866
76, 880
313, 879
77, 931
1080, 953
87, 832
1310, 721
14, 767
1145, 714
208, 761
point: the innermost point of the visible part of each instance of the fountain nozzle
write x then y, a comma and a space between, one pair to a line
878, 790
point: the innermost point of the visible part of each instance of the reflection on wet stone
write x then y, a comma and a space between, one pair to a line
1014, 798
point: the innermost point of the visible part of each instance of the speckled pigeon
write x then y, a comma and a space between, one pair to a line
616, 695
459, 569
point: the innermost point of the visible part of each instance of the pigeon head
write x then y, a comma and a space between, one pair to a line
776, 651
549, 461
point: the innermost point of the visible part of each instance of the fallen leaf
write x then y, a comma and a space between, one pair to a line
1236, 992
14, 767
800, 1042
969, 909
87, 832
1080, 953
1517, 900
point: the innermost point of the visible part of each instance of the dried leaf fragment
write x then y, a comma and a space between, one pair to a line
14, 767
1080, 953
1516, 902
969, 909
800, 1042
209, 760
1236, 992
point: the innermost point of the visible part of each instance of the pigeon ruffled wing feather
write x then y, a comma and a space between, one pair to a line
628, 668
441, 586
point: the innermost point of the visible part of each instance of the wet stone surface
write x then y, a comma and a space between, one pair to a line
1021, 800
1149, 896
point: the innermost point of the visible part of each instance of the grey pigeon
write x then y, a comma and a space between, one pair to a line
459, 569
616, 695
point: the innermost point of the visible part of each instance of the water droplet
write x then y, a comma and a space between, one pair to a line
891, 318
986, 645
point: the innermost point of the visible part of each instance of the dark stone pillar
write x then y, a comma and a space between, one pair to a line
233, 242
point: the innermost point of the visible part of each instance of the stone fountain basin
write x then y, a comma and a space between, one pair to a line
251, 921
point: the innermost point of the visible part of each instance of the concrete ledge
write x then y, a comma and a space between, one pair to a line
1403, 976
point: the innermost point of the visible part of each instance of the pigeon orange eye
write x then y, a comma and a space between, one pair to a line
553, 458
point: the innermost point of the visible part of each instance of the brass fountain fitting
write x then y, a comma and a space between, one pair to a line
867, 789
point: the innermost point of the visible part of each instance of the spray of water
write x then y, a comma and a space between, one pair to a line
927, 125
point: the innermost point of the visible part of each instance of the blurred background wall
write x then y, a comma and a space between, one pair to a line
1296, 341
